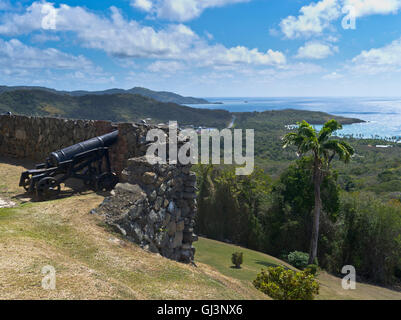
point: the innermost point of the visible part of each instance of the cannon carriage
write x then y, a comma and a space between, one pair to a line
87, 161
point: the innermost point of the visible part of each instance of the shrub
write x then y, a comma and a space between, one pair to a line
312, 269
237, 259
281, 284
298, 259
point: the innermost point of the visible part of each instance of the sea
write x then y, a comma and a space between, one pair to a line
382, 115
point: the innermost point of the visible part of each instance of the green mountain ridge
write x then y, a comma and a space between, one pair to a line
126, 107
162, 96
112, 107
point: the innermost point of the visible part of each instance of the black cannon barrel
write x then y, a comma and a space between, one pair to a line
68, 153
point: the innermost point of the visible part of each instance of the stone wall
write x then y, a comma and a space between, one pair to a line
154, 205
34, 138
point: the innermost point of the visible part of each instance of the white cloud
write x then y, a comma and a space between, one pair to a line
332, 76
318, 16
378, 60
219, 55
166, 66
145, 5
127, 38
313, 19
179, 10
315, 50
20, 56
370, 7
115, 35
42, 37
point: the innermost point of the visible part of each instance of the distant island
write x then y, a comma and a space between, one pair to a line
162, 96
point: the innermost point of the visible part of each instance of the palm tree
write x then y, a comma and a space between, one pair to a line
323, 150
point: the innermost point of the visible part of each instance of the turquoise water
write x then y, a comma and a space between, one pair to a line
382, 115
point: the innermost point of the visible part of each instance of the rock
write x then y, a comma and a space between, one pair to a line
136, 211
186, 169
153, 217
129, 188
177, 242
187, 195
171, 228
167, 218
177, 214
158, 203
189, 237
153, 195
186, 246
180, 226
151, 247
189, 183
185, 211
171, 207
149, 177
165, 203
190, 190
137, 233
162, 189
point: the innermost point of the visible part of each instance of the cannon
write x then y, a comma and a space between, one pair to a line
88, 161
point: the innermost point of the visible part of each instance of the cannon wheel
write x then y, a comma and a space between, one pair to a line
106, 181
47, 188
27, 183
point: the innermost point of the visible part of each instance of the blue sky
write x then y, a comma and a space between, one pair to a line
206, 48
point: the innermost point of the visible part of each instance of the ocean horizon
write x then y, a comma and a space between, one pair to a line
382, 114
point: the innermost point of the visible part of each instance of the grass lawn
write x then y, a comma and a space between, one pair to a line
91, 262
218, 255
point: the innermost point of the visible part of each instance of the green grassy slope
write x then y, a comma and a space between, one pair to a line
90, 260
218, 255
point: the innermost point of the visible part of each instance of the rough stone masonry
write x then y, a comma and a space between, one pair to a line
155, 206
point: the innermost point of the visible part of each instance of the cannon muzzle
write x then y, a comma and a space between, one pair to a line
68, 153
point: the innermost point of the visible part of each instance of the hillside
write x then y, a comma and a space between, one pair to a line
63, 234
162, 96
218, 254
113, 107
91, 262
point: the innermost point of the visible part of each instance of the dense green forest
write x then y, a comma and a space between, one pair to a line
272, 209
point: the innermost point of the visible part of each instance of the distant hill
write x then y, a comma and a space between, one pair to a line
117, 107
162, 96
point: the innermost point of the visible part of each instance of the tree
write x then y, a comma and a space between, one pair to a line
237, 259
323, 149
282, 284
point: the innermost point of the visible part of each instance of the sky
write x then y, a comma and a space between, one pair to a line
205, 48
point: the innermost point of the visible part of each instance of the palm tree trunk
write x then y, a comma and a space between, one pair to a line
317, 181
